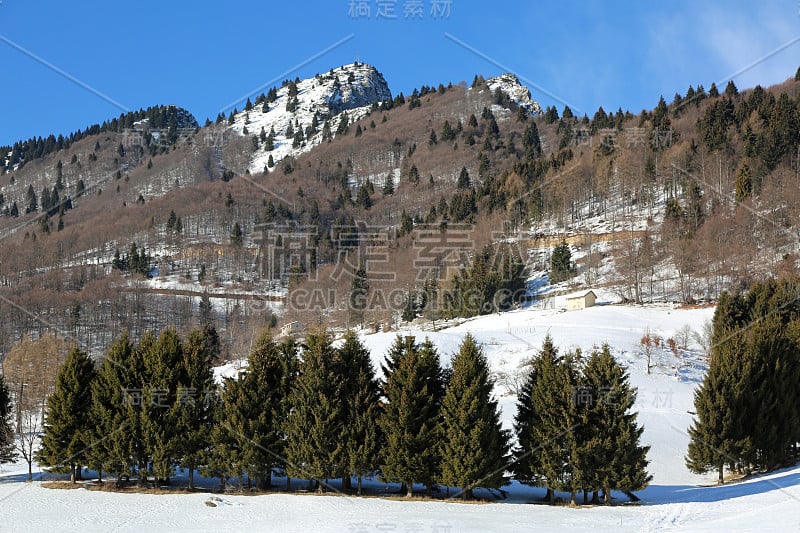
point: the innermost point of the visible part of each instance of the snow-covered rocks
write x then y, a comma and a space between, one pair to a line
518, 93
348, 91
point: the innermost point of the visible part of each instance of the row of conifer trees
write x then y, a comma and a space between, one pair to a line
318, 412
748, 406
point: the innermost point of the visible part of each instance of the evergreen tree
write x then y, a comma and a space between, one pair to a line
363, 198
255, 412
716, 436
447, 132
388, 186
196, 401
544, 422
561, 267
163, 374
116, 396
315, 447
359, 292
8, 451
614, 458
361, 393
463, 179
413, 388
68, 422
237, 236
33, 203
475, 445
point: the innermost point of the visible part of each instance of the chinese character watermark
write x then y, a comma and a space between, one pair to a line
399, 9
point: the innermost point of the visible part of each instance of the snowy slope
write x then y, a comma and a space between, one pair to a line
675, 500
349, 91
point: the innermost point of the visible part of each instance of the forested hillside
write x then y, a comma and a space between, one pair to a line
427, 205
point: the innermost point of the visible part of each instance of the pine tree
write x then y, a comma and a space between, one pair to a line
315, 447
447, 132
237, 236
33, 203
255, 421
433, 139
8, 451
68, 422
797, 75
115, 401
363, 198
163, 374
196, 401
411, 418
716, 436
359, 292
362, 438
474, 444
463, 179
388, 185
543, 433
561, 267
615, 459
228, 436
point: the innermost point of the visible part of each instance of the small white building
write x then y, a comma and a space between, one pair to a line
581, 300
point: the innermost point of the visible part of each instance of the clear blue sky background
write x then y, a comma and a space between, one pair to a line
206, 55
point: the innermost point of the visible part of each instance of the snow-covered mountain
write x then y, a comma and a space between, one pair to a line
316, 106
511, 86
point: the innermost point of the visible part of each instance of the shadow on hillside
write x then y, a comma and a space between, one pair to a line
790, 479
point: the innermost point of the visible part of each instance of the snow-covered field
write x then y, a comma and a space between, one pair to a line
676, 499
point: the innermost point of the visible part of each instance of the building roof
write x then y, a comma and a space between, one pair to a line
581, 295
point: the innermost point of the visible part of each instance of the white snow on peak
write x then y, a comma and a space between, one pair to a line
511, 86
348, 91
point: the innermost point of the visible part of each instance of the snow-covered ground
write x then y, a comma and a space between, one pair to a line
676, 499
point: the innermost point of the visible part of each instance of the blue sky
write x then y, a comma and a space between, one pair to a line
206, 55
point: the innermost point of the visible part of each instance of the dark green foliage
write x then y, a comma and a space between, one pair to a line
359, 292
116, 401
315, 449
714, 124
545, 421
411, 417
610, 452
33, 203
561, 266
388, 185
574, 427
363, 198
237, 236
68, 423
249, 438
495, 281
448, 134
474, 445
196, 401
531, 141
7, 448
361, 435
463, 179
747, 406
